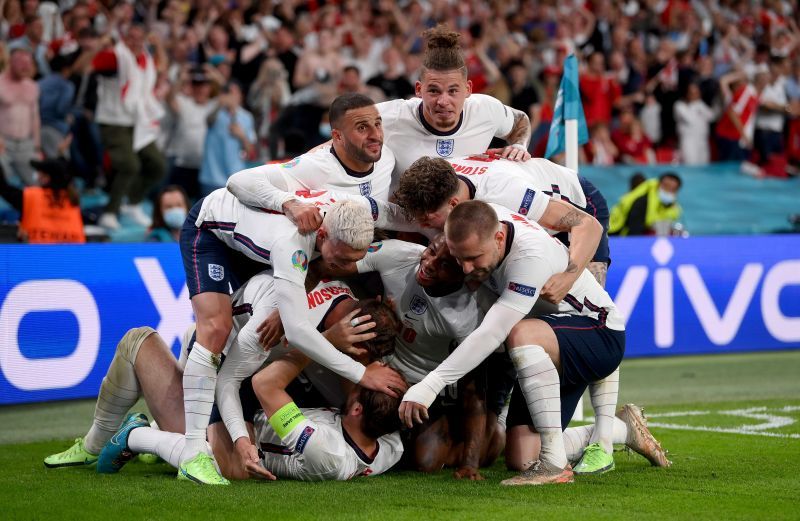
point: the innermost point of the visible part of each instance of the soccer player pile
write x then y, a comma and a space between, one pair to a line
489, 327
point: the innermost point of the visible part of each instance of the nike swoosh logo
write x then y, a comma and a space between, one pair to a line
410, 318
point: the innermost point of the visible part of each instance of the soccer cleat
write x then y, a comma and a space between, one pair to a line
640, 440
75, 456
116, 453
201, 469
595, 460
541, 473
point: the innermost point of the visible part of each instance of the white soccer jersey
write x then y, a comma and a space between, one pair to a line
251, 304
271, 238
315, 170
431, 325
411, 137
522, 187
532, 257
318, 449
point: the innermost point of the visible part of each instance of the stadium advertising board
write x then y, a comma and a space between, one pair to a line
65, 307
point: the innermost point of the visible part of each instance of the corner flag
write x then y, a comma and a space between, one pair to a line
568, 106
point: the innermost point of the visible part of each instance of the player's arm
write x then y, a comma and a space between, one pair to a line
494, 329
585, 234
292, 305
266, 187
518, 138
271, 382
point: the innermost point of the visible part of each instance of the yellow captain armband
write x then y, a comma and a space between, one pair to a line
286, 419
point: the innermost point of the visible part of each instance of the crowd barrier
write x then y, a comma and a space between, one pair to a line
63, 308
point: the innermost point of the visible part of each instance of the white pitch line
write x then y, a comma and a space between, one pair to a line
770, 421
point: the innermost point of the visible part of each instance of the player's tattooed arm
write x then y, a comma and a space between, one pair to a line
599, 270
518, 138
585, 234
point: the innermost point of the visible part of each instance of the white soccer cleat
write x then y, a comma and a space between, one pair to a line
640, 439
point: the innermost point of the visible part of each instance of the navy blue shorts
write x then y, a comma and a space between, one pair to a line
209, 264
597, 206
589, 352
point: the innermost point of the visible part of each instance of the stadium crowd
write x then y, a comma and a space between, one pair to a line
228, 84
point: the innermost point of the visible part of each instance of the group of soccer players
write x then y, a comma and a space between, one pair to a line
502, 288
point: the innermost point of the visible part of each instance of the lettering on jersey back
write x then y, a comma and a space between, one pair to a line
320, 296
522, 220
469, 170
445, 147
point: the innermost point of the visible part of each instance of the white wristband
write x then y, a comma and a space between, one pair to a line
426, 391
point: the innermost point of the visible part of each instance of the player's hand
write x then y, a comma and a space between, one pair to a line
413, 412
557, 286
380, 377
511, 153
467, 472
249, 455
350, 330
270, 330
305, 216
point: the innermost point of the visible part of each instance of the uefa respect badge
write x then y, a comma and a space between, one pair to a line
300, 260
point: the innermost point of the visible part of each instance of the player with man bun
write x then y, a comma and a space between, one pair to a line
446, 119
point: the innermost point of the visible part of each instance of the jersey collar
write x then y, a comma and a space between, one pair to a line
435, 132
360, 453
349, 171
470, 185
509, 238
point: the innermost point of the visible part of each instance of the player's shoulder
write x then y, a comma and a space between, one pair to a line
546, 166
395, 107
255, 291
396, 249
483, 102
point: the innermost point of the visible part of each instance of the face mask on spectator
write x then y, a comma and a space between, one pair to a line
666, 198
174, 217
325, 129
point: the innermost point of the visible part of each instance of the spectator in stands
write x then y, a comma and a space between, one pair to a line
190, 112
33, 40
633, 145
773, 105
321, 63
128, 114
20, 126
230, 140
523, 95
268, 95
49, 213
285, 50
734, 129
392, 80
169, 213
693, 118
599, 90
601, 150
650, 208
56, 93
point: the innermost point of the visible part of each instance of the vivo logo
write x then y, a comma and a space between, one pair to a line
721, 324
37, 296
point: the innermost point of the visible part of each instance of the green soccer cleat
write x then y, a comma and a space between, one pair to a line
75, 456
116, 452
201, 469
595, 461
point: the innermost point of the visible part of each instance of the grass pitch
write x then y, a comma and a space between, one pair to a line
731, 424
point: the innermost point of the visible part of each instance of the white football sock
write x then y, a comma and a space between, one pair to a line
199, 382
577, 438
118, 392
540, 385
170, 446
604, 401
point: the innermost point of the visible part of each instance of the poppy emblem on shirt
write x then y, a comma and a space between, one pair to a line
365, 188
300, 260
444, 147
418, 305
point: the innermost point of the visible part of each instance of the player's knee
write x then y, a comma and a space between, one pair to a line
527, 332
128, 346
428, 461
214, 331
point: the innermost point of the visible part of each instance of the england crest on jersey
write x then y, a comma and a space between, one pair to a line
418, 305
216, 272
444, 147
365, 188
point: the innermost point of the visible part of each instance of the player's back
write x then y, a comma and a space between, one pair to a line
319, 449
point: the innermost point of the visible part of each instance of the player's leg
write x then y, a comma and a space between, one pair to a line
534, 349
431, 443
206, 264
119, 391
500, 380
